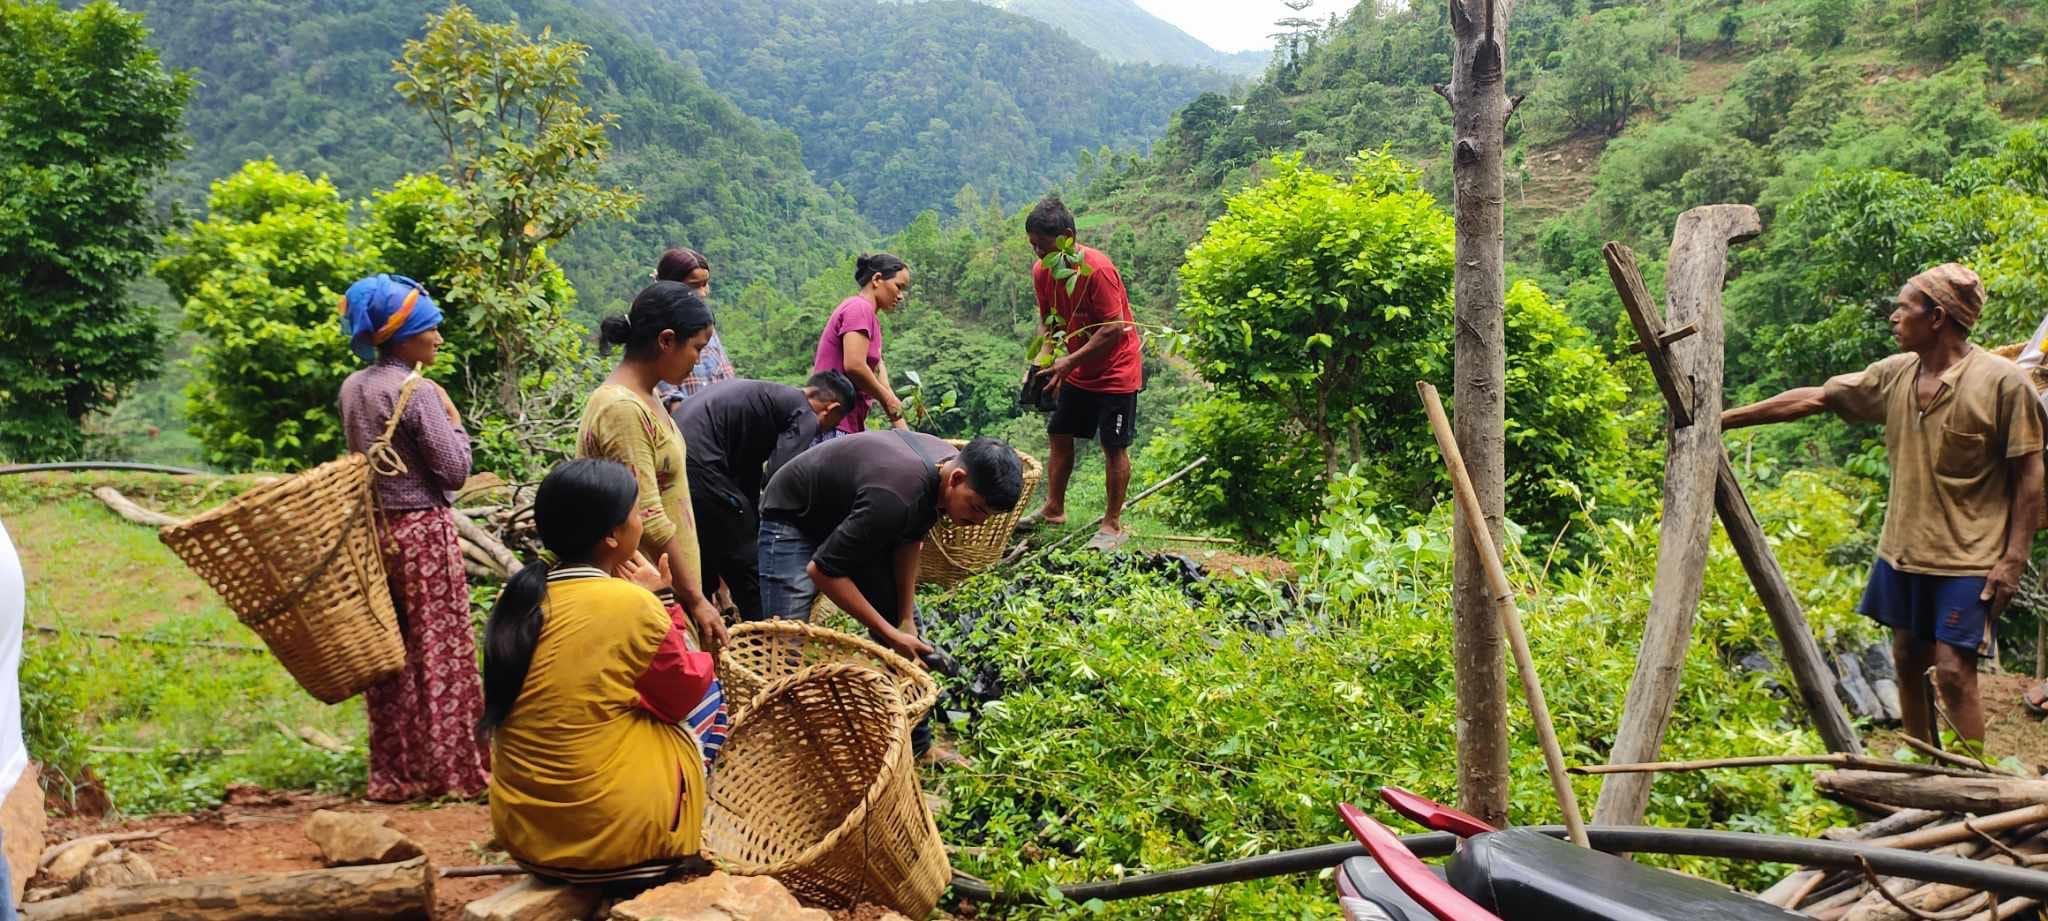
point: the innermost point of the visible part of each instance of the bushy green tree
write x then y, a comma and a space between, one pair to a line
523, 159
1321, 297
1614, 64
88, 124
260, 279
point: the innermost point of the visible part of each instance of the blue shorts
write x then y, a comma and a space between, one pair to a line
1931, 608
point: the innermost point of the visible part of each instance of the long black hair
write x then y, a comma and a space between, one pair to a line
663, 305
578, 503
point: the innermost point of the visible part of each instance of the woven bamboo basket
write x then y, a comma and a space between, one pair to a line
2038, 376
817, 788
297, 561
955, 551
760, 654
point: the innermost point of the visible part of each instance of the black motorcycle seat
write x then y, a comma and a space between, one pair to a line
1521, 874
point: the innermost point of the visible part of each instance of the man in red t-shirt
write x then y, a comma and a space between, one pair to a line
1096, 382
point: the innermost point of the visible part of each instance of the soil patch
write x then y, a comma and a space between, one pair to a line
2008, 728
263, 832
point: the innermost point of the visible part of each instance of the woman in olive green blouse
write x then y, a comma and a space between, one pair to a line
623, 421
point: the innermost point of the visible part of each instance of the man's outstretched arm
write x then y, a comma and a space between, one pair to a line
1797, 403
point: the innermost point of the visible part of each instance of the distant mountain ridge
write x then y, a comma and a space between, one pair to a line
1123, 31
903, 105
309, 83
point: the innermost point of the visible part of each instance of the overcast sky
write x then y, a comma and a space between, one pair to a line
1234, 25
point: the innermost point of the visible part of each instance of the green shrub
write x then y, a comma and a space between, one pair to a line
1263, 473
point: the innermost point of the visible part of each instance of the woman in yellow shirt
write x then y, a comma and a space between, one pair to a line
587, 677
623, 421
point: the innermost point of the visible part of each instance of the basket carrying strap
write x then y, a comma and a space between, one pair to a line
931, 476
384, 461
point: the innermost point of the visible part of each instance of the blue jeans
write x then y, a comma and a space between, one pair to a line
787, 592
6, 893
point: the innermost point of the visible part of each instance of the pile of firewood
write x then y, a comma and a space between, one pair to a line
1960, 808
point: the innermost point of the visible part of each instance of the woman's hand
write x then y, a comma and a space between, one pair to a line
637, 570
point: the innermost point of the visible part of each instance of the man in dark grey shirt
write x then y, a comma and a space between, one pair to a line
848, 518
736, 434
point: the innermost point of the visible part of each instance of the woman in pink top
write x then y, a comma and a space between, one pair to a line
852, 341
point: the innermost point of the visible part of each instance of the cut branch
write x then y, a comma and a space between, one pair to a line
380, 891
1836, 759
128, 509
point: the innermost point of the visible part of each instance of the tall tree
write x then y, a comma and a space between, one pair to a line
1479, 113
88, 123
523, 158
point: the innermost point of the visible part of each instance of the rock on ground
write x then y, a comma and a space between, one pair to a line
21, 829
115, 869
352, 838
66, 865
718, 897
533, 899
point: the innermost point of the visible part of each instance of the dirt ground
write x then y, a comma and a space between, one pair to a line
259, 831
2008, 728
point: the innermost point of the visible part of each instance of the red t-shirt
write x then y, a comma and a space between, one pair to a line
1098, 298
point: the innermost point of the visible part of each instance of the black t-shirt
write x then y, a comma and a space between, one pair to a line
859, 497
740, 432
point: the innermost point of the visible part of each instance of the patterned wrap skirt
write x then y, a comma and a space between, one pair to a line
423, 740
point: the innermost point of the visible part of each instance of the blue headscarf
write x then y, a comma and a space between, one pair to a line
382, 309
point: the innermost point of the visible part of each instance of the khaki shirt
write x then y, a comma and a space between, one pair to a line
1951, 493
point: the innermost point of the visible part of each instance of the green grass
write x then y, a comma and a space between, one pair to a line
202, 718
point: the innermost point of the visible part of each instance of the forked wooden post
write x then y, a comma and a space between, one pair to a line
1510, 617
1698, 477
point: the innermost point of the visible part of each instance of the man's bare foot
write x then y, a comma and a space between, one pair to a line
1040, 519
2035, 697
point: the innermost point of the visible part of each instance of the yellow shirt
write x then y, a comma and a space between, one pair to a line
582, 778
1951, 492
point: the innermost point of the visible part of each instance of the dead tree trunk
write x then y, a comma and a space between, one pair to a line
380, 891
1698, 262
1479, 112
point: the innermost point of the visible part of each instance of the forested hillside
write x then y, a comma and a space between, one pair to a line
310, 84
903, 105
1121, 30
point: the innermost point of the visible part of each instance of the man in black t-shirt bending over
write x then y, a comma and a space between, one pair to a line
849, 518
736, 434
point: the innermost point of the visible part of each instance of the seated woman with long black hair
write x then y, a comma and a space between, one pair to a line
588, 683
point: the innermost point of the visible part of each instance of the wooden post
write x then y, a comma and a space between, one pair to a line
1479, 112
1698, 477
1503, 601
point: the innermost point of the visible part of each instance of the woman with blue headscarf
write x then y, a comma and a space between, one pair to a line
423, 741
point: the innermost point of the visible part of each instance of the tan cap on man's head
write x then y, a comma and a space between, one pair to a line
1954, 288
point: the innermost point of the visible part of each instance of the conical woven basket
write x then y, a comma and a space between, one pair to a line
298, 562
955, 551
760, 654
817, 788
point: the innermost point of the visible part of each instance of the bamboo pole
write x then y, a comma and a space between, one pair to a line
1835, 759
1504, 604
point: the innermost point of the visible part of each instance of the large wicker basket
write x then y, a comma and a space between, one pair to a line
298, 562
817, 788
760, 654
955, 551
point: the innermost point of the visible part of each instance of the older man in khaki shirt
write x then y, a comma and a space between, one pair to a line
1962, 434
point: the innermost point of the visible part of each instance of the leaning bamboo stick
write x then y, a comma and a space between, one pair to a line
1837, 759
1504, 604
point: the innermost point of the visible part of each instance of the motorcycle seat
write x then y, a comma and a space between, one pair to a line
1522, 874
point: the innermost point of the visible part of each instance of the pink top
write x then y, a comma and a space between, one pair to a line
856, 314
